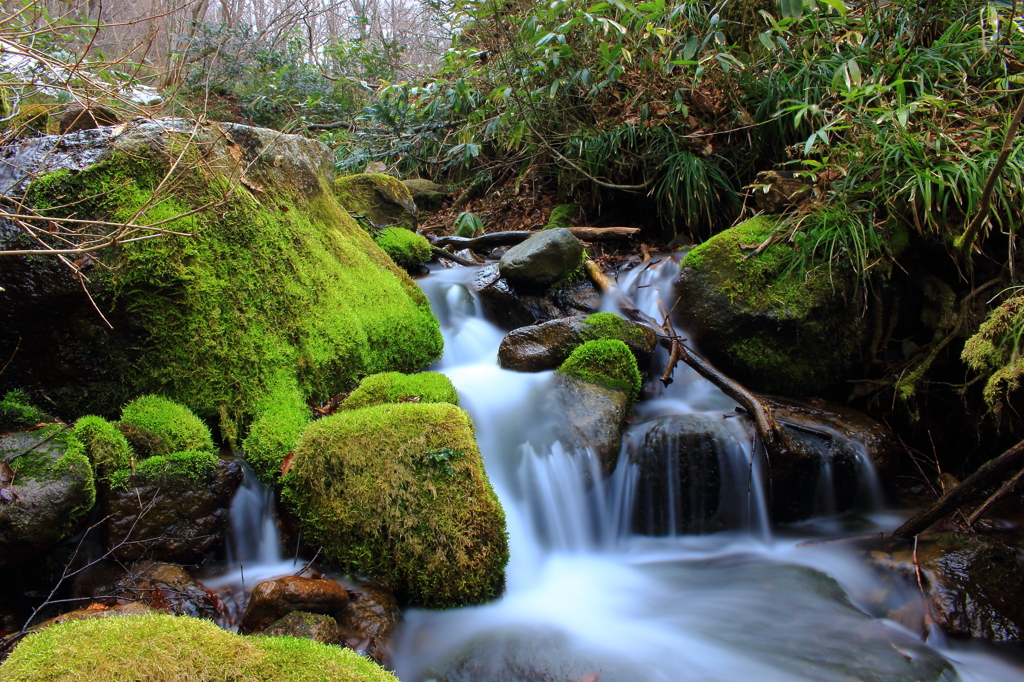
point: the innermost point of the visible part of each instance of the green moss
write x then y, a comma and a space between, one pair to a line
106, 446
276, 284
191, 463
405, 247
175, 649
16, 412
183, 429
995, 350
562, 216
280, 421
611, 326
605, 362
398, 492
394, 387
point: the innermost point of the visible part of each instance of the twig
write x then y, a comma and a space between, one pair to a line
1007, 487
310, 562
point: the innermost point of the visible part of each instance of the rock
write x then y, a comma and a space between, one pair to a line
98, 611
45, 495
974, 584
174, 648
184, 517
167, 588
274, 599
315, 626
370, 620
607, 363
509, 308
543, 260
76, 117
192, 315
770, 329
397, 492
593, 418
384, 200
777, 191
428, 196
544, 346
375, 167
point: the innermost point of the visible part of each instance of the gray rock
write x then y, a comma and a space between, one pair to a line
510, 308
544, 346
427, 195
47, 498
593, 418
183, 520
542, 260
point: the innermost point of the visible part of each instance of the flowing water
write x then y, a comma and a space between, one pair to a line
606, 584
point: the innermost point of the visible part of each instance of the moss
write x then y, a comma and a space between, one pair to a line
605, 362
995, 350
191, 463
183, 429
562, 216
106, 446
397, 492
384, 200
611, 326
283, 285
175, 649
42, 464
280, 421
394, 387
405, 247
16, 412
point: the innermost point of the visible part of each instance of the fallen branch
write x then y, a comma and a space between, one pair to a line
604, 282
983, 507
972, 486
441, 253
589, 234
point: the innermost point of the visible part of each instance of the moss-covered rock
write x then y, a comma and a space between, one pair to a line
281, 417
428, 196
17, 412
174, 424
395, 387
405, 247
106, 446
543, 346
271, 282
384, 200
398, 492
607, 363
175, 649
762, 322
562, 216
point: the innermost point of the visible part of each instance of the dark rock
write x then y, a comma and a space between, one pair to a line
315, 626
427, 195
777, 191
273, 599
183, 518
544, 346
48, 496
168, 588
509, 308
76, 117
370, 620
544, 259
593, 417
974, 584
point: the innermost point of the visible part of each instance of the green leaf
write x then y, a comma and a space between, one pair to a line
854, 70
766, 40
837, 5
690, 49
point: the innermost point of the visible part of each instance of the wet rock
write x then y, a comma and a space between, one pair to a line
315, 626
973, 583
509, 308
168, 588
542, 260
544, 346
593, 417
273, 599
76, 117
45, 492
428, 196
369, 621
384, 200
183, 518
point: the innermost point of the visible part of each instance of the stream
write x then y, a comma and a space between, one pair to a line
589, 598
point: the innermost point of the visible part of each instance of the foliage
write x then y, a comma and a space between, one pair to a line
395, 387
605, 362
168, 419
405, 247
995, 352
175, 649
468, 224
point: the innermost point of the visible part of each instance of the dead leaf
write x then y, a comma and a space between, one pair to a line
6, 473
250, 184
286, 463
96, 606
158, 601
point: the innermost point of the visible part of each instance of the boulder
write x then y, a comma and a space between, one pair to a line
777, 191
167, 588
428, 196
973, 583
274, 285
185, 511
543, 260
315, 626
509, 308
274, 599
544, 346
76, 117
762, 323
592, 417
382, 199
46, 492
397, 492
606, 363
407, 248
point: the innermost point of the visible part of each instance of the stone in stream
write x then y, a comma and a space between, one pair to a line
509, 308
591, 416
370, 620
546, 258
273, 599
46, 491
315, 626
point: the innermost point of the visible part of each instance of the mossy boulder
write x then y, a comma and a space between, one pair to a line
384, 200
397, 492
607, 363
592, 416
106, 446
270, 281
282, 415
563, 215
174, 424
762, 322
46, 493
17, 412
539, 347
395, 387
405, 247
428, 196
175, 649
